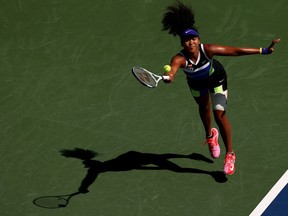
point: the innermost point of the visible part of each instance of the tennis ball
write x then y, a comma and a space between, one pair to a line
167, 68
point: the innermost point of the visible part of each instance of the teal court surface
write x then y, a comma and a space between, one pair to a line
66, 83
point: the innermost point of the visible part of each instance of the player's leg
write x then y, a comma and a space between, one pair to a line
205, 111
200, 91
219, 104
224, 128
219, 94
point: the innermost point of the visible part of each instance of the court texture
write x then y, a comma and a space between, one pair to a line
66, 83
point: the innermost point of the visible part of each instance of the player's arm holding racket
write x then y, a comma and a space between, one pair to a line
177, 62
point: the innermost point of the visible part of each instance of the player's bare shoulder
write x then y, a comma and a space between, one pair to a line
178, 60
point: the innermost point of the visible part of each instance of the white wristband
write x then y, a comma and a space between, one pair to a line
166, 77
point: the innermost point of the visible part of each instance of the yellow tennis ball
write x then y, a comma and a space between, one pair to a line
167, 68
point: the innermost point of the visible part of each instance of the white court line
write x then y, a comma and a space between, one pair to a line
275, 190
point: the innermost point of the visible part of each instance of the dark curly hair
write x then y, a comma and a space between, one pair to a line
177, 18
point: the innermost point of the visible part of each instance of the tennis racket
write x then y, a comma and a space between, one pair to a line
53, 202
147, 78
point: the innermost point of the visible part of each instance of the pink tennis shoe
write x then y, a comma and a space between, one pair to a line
229, 164
213, 145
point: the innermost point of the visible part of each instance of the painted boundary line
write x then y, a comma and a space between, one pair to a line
275, 190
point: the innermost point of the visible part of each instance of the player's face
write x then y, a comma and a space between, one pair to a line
191, 44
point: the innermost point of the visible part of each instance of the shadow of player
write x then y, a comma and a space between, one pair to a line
134, 160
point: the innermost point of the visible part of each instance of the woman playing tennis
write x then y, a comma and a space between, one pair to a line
206, 77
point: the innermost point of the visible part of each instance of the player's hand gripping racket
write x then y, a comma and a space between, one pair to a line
147, 78
53, 202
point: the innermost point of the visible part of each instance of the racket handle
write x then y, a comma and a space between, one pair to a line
166, 77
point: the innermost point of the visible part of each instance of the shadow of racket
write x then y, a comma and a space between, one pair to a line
53, 202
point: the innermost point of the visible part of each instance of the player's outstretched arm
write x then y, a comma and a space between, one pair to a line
213, 49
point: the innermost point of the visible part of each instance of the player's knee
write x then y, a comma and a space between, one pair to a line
219, 116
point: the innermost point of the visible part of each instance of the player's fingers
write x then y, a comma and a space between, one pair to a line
277, 40
271, 47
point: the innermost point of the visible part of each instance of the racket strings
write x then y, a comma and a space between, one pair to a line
145, 77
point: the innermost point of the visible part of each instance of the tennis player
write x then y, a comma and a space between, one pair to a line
206, 77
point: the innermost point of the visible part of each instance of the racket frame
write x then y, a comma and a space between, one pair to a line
147, 75
65, 198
